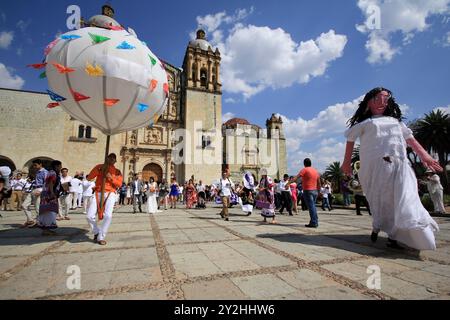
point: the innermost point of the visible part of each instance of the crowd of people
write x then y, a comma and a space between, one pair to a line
384, 183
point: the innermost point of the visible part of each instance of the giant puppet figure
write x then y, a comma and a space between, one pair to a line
385, 175
105, 77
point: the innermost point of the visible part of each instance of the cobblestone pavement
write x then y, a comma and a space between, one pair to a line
193, 254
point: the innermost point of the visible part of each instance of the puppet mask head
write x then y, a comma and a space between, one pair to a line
379, 103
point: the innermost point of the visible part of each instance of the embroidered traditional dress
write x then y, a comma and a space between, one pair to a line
49, 206
266, 198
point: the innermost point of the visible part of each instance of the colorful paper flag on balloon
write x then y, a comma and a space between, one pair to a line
78, 96
153, 85
98, 39
61, 68
142, 107
52, 105
96, 71
37, 65
43, 75
153, 60
50, 46
166, 88
125, 46
110, 102
70, 37
55, 97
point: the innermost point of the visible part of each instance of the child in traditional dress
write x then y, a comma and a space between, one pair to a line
385, 174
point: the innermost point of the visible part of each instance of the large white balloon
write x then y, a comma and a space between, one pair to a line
109, 79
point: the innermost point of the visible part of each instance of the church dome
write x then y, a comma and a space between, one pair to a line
200, 41
235, 121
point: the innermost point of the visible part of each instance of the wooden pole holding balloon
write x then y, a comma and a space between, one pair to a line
101, 206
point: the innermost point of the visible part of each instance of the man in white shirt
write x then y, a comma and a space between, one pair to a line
80, 190
27, 201
201, 189
17, 185
74, 190
286, 200
226, 187
88, 193
137, 187
65, 199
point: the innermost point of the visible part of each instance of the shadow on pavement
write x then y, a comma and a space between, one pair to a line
356, 243
34, 236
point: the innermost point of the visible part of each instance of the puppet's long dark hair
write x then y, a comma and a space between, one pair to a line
363, 112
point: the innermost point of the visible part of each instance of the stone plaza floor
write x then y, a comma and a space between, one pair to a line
194, 254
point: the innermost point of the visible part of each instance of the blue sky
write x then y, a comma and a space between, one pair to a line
305, 60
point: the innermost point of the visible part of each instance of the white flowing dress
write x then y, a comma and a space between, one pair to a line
390, 184
152, 205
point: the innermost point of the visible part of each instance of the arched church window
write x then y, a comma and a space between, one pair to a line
88, 132
81, 131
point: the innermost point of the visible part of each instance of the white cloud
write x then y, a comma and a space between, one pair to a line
213, 22
407, 17
255, 58
380, 50
230, 100
8, 80
447, 40
3, 17
444, 109
325, 132
22, 25
6, 37
227, 116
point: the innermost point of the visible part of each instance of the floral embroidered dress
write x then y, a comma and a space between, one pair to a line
266, 198
49, 206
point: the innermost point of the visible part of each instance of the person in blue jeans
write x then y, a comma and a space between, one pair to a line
311, 186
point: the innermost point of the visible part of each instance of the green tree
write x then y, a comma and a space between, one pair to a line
433, 132
334, 174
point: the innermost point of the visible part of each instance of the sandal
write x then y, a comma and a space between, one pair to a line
102, 242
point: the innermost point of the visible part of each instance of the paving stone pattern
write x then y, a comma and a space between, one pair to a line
195, 255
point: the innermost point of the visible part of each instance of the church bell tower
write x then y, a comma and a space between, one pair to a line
202, 110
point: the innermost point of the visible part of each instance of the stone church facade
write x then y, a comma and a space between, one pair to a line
188, 140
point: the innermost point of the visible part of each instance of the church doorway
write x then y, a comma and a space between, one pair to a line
152, 170
5, 161
46, 162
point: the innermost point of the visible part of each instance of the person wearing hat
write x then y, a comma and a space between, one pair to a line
113, 180
435, 190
